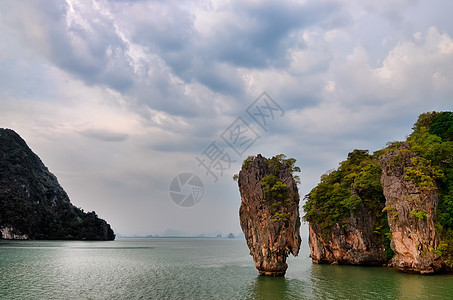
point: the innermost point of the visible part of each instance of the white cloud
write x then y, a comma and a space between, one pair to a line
420, 65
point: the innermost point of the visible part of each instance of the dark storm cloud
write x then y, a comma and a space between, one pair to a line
220, 78
92, 44
86, 46
93, 52
261, 34
254, 35
168, 26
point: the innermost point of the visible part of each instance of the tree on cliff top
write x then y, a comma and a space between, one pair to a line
356, 181
290, 163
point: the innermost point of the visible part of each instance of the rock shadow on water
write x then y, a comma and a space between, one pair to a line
353, 282
266, 287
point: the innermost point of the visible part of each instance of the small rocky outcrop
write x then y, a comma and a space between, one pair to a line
269, 212
346, 222
9, 233
411, 209
33, 205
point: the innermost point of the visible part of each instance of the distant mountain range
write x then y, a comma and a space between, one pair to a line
170, 232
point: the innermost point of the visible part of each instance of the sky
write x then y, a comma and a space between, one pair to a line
118, 98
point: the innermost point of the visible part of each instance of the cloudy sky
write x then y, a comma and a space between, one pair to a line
119, 97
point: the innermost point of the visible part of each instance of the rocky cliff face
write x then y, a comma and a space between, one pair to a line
411, 210
356, 235
344, 211
269, 212
353, 242
32, 202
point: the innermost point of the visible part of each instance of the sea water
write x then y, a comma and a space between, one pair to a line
190, 268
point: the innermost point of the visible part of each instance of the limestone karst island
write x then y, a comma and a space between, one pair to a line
33, 205
391, 208
269, 212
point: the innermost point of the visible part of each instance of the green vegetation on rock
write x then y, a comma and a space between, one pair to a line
355, 182
274, 190
274, 165
419, 214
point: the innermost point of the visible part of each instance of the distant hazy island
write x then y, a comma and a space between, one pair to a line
33, 205
181, 234
393, 207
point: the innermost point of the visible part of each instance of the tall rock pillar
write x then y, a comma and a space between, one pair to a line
269, 212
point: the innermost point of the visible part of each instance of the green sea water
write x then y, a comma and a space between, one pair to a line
186, 268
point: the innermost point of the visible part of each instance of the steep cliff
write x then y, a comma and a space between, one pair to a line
411, 209
418, 186
354, 242
346, 222
32, 202
269, 212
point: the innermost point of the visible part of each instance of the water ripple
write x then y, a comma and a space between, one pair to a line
189, 269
